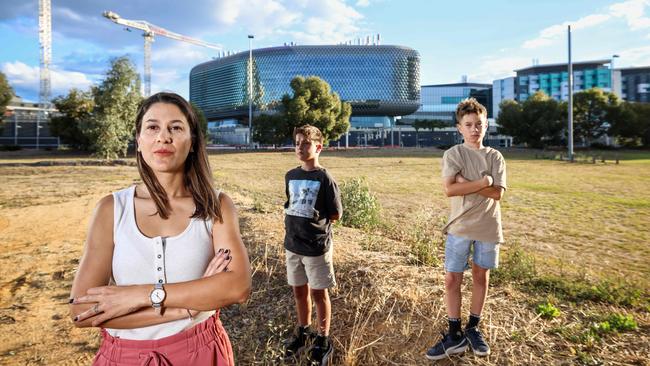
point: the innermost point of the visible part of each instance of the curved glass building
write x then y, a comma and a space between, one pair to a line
379, 81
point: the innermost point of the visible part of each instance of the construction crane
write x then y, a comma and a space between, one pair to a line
150, 31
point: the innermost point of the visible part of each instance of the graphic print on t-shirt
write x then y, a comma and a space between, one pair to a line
302, 198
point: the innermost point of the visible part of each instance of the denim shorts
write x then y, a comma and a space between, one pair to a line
457, 252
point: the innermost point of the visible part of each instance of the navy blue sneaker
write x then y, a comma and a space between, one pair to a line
476, 341
302, 337
447, 347
320, 354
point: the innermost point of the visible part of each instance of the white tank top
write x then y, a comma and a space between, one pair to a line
140, 260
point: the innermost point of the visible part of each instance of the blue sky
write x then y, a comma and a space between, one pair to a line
481, 39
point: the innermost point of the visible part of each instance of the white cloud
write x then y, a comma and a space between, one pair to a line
180, 54
327, 21
492, 68
633, 12
24, 77
363, 3
305, 21
551, 34
260, 17
67, 13
637, 56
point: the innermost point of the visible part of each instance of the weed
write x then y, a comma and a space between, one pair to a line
371, 242
614, 323
547, 310
259, 205
361, 208
423, 239
518, 266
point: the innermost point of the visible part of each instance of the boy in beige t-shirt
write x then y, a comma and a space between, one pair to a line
474, 177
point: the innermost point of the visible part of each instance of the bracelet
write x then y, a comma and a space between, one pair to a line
189, 313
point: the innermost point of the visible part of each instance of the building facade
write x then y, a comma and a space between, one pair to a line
635, 84
502, 89
379, 81
27, 125
439, 101
553, 80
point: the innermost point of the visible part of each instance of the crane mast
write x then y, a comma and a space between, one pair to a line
149, 31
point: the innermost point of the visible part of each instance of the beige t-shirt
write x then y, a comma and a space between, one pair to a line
474, 216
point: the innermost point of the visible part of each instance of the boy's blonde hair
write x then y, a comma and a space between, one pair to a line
310, 132
469, 106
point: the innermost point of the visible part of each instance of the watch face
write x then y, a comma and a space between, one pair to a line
157, 296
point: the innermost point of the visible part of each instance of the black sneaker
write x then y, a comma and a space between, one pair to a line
320, 354
301, 337
447, 347
476, 341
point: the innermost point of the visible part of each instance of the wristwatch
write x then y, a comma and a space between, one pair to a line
157, 297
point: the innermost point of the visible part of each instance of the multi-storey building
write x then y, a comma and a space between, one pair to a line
635, 84
439, 101
379, 81
553, 79
22, 127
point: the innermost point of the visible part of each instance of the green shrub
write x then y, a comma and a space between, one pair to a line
422, 239
360, 207
517, 266
621, 323
547, 311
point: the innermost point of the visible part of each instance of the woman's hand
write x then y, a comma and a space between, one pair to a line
218, 264
112, 302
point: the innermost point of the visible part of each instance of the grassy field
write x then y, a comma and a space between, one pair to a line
577, 239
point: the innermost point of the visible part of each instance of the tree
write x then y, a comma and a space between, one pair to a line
203, 123
543, 121
630, 122
116, 103
270, 129
510, 120
6, 93
76, 109
536, 122
314, 103
258, 88
591, 111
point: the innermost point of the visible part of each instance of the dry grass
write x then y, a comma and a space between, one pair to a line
386, 310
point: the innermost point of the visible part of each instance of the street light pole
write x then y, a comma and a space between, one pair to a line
570, 104
250, 91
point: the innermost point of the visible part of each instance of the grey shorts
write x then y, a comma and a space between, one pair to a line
318, 272
457, 252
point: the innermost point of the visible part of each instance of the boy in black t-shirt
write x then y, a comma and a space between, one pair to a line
313, 204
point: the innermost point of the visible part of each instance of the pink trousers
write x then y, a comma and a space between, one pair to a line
205, 344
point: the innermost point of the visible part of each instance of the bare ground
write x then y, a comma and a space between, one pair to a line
386, 310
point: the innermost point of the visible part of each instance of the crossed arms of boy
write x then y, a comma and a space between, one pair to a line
460, 186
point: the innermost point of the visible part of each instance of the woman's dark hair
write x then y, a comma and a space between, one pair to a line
198, 175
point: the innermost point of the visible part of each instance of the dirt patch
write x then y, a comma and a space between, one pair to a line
386, 311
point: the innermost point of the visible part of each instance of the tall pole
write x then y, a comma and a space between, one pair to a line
45, 40
250, 90
570, 104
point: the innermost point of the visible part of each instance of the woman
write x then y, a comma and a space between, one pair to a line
163, 255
